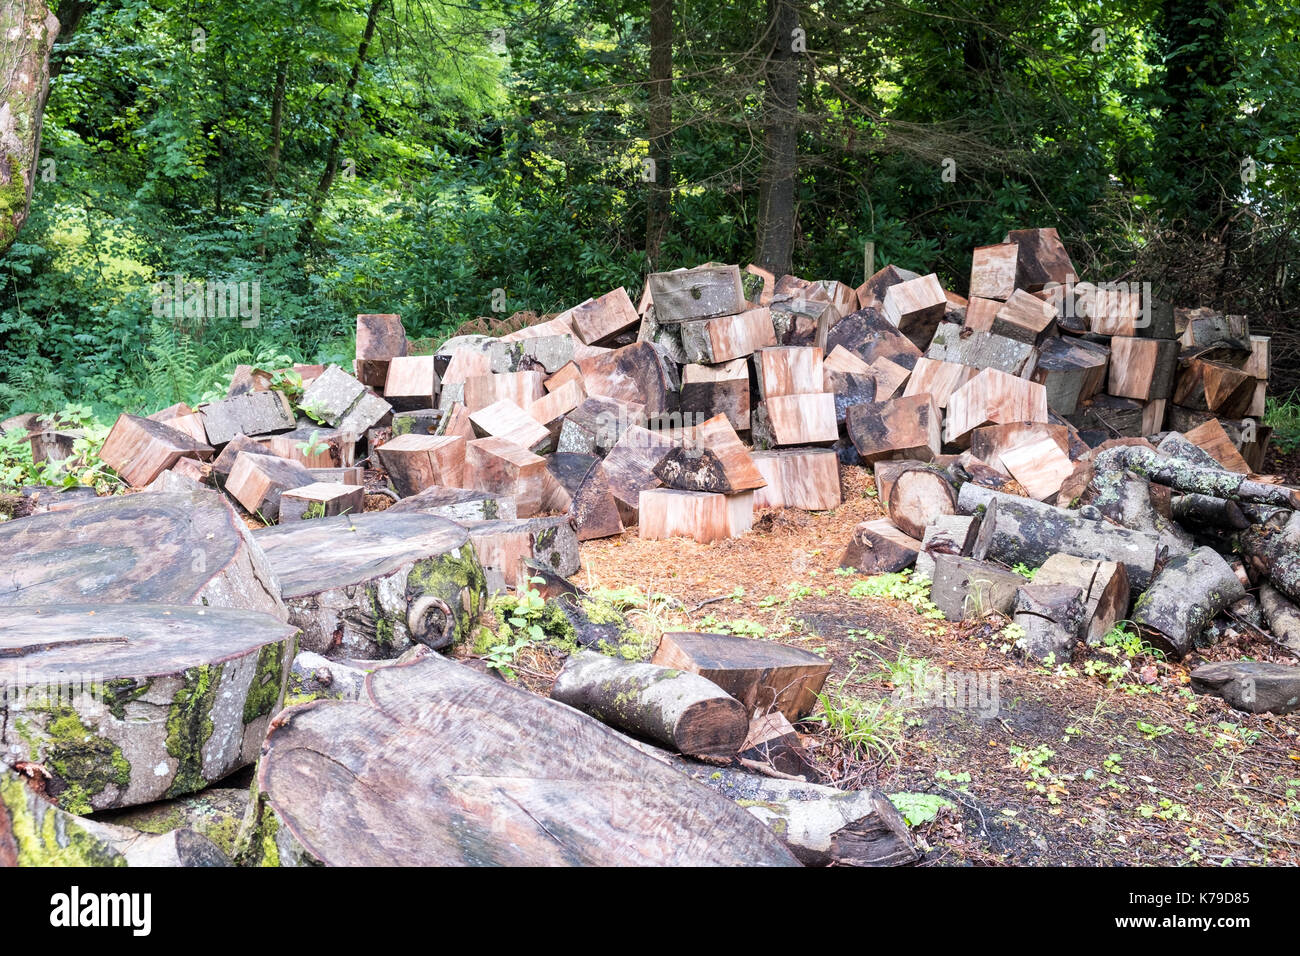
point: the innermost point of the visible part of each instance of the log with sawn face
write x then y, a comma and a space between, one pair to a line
1041, 258
897, 428
257, 482
321, 499
1142, 368
937, 378
634, 374
869, 335
806, 478
712, 458
727, 337
257, 413
597, 321
701, 293
380, 339
993, 271
140, 449
701, 515
878, 547
871, 294
504, 419
993, 397
1025, 318
916, 308
412, 382
1072, 370
709, 390
501, 467
416, 462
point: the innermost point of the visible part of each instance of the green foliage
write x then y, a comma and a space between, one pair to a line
899, 586
920, 808
867, 729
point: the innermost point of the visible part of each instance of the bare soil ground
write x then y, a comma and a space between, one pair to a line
1110, 760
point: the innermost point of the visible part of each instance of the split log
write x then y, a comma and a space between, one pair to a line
630, 466
993, 397
313, 446
980, 313
549, 410
878, 547
896, 428
1025, 318
762, 675
503, 545
505, 420
795, 420
1282, 616
137, 702
805, 478
947, 534
966, 588
1020, 531
701, 293
174, 548
593, 508
1207, 328
632, 374
983, 350
989, 442
1176, 445
1040, 467
411, 382
522, 388
1072, 370
728, 337
1256, 687
789, 370
369, 586
821, 825
595, 801
1142, 368
713, 458
869, 335
700, 515
916, 307
759, 284
340, 401
598, 321
1271, 549
500, 467
1104, 586
939, 379
380, 339
321, 500
184, 419
773, 740
718, 390
258, 481
1121, 417
1052, 617
597, 425
140, 450
1185, 597
993, 271
457, 504
678, 709
1041, 258
35, 832
257, 413
918, 498
1191, 479
871, 294
1210, 386
462, 364
1211, 437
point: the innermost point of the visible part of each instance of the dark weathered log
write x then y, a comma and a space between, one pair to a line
124, 704
1126, 499
677, 709
896, 428
458, 504
1273, 550
166, 548
1282, 616
1104, 586
965, 588
257, 482
502, 545
1196, 510
763, 675
376, 783
918, 498
1191, 479
369, 586
1052, 617
949, 534
878, 547
821, 825
1017, 530
1256, 687
34, 832
773, 740
1184, 598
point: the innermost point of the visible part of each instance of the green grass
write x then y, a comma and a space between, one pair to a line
1283, 416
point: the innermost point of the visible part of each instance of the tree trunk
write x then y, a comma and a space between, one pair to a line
776, 212
27, 32
659, 202
1192, 479
1184, 598
308, 228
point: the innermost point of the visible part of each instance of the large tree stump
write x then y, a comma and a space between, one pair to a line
165, 548
126, 704
674, 708
763, 675
1184, 598
369, 586
34, 832
443, 766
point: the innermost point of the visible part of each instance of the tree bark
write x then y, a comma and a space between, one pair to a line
27, 32
776, 200
659, 201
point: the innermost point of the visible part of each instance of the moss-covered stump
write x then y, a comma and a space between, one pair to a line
370, 586
441, 765
121, 705
166, 548
34, 832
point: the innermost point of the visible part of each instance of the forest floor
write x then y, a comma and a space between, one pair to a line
1110, 760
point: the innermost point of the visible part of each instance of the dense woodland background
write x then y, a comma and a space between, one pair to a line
412, 156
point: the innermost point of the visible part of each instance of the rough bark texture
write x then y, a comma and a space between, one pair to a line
441, 765
27, 32
126, 704
1184, 598
1191, 479
675, 708
776, 211
369, 586
166, 548
1273, 549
